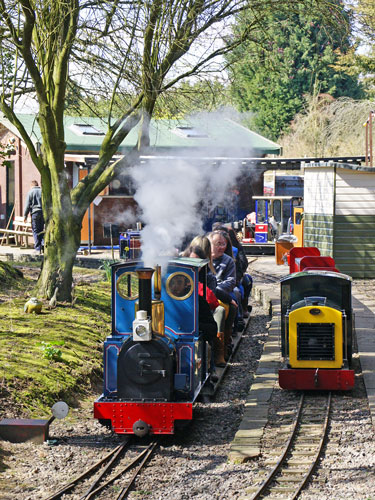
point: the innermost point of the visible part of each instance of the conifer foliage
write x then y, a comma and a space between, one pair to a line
272, 76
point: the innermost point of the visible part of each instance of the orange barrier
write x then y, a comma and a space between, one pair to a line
281, 249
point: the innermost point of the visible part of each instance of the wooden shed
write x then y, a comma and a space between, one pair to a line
339, 215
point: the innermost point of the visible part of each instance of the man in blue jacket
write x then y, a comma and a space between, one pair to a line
34, 207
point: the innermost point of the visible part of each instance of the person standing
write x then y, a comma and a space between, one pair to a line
34, 207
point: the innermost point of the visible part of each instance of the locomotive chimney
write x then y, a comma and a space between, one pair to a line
145, 294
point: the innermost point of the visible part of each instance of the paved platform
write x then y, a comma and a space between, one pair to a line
84, 258
247, 441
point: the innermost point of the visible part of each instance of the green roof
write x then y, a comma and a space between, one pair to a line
209, 134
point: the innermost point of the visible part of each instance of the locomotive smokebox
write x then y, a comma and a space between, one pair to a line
145, 289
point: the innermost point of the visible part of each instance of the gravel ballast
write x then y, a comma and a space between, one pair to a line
194, 463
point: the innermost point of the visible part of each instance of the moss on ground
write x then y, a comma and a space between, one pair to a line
9, 276
55, 355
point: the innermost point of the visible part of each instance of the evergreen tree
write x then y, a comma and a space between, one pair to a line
361, 58
271, 78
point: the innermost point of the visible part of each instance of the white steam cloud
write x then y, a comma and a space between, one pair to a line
126, 218
170, 196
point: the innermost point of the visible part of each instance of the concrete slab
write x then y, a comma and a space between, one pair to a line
240, 454
246, 432
94, 259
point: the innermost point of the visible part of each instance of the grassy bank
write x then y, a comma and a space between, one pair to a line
55, 355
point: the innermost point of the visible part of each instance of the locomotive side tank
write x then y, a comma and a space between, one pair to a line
316, 331
155, 360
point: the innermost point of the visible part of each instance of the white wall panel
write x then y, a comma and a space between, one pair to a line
319, 190
355, 192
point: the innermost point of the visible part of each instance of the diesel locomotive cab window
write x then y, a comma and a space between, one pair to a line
179, 286
127, 286
277, 210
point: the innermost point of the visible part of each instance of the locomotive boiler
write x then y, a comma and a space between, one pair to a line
316, 331
156, 360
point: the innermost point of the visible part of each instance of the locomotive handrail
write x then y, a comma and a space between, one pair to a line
286, 333
344, 318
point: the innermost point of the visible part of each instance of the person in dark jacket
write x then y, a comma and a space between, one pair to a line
34, 207
244, 280
200, 247
226, 281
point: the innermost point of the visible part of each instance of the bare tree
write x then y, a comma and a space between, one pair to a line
138, 49
329, 127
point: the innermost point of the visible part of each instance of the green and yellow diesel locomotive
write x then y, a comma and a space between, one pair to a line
316, 331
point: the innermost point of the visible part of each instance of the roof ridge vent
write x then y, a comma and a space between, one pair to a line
188, 131
85, 129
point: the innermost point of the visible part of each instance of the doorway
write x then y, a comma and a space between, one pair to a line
10, 191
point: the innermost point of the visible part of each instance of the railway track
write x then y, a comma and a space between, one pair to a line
259, 276
264, 278
298, 456
110, 467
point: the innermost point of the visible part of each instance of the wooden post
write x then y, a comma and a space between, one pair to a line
110, 229
9, 221
370, 136
366, 142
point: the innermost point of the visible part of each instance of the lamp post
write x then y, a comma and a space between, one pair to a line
370, 135
89, 216
368, 139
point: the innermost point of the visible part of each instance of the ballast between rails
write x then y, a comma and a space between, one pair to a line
292, 442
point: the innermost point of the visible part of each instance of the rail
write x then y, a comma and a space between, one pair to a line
94, 488
295, 442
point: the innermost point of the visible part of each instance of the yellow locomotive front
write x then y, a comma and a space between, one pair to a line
317, 323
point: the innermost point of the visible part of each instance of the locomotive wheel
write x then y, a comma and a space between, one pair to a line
106, 422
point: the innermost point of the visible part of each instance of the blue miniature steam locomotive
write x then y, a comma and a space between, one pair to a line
156, 360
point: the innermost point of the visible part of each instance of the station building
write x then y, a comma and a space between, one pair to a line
207, 139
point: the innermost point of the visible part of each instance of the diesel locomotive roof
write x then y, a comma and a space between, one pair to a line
322, 272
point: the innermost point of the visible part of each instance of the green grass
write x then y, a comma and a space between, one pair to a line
28, 377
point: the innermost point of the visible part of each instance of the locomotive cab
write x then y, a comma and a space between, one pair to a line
316, 331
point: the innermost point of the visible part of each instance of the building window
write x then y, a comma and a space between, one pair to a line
123, 185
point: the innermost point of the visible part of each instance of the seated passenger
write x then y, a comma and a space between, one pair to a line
226, 282
219, 312
245, 282
204, 243
238, 292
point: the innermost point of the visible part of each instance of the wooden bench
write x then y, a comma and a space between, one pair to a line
21, 233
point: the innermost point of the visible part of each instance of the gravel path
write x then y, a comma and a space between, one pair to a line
193, 463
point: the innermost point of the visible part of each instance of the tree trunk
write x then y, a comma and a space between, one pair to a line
61, 242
